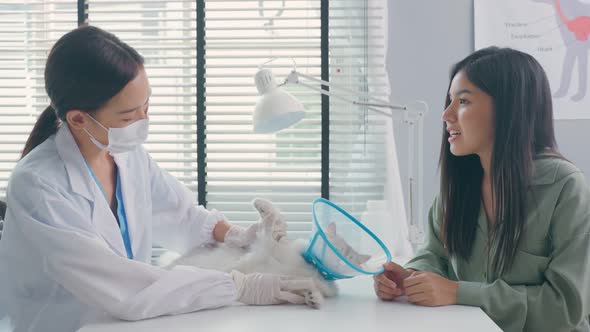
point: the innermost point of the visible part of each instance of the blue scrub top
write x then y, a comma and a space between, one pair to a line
121, 215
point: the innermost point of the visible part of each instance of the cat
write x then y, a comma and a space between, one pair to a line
272, 252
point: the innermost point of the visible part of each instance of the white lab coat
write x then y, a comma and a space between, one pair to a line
62, 257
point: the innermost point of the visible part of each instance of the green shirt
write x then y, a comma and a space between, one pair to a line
548, 286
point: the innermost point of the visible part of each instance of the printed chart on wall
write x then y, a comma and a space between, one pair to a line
555, 32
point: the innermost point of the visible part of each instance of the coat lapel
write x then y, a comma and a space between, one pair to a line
132, 193
82, 183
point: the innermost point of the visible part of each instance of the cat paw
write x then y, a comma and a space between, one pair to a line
279, 230
263, 206
314, 299
271, 218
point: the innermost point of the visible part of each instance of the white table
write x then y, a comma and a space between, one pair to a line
355, 309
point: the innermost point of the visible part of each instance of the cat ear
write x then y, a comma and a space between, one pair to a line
364, 258
331, 228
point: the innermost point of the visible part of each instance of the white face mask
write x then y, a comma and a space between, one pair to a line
122, 139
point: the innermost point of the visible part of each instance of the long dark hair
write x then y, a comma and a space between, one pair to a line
85, 69
523, 122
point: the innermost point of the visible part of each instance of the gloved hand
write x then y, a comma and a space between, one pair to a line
239, 237
267, 289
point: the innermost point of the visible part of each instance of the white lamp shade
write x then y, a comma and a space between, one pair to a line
275, 110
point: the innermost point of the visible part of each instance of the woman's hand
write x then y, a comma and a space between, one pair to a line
389, 284
220, 230
430, 289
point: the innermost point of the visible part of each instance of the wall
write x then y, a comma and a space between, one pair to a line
425, 38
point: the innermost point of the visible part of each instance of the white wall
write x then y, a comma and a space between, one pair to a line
426, 37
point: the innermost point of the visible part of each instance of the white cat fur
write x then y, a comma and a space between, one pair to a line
272, 253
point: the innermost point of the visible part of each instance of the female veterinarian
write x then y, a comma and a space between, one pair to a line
86, 203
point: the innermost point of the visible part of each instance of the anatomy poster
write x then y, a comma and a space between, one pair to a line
555, 32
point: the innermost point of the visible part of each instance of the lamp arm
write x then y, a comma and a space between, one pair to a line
410, 115
294, 78
393, 107
339, 97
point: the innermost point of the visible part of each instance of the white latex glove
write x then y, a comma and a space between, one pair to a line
239, 237
267, 289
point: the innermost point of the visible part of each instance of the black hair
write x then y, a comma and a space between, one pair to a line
85, 69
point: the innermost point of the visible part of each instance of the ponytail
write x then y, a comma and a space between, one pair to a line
46, 125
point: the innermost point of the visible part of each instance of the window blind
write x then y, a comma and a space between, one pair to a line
28, 30
358, 159
164, 33
239, 36
284, 167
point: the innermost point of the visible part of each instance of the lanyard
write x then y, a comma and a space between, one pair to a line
121, 215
